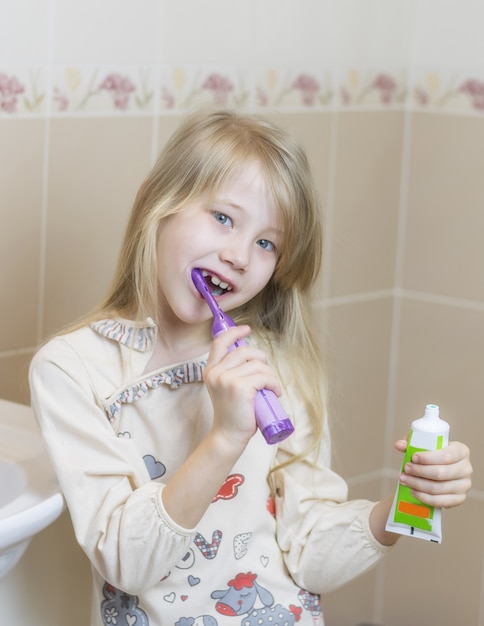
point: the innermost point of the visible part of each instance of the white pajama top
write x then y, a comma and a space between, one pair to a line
116, 433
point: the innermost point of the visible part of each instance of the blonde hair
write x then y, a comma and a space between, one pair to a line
208, 148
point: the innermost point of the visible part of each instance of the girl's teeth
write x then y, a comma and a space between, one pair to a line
218, 283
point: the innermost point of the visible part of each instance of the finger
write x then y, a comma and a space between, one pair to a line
240, 356
254, 374
438, 481
453, 453
442, 501
439, 471
228, 337
444, 494
223, 342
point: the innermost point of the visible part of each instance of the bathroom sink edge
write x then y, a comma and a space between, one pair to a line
27, 523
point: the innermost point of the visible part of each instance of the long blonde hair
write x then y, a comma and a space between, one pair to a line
207, 149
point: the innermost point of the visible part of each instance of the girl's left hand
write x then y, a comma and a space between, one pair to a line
440, 478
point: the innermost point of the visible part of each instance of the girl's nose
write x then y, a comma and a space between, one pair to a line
237, 256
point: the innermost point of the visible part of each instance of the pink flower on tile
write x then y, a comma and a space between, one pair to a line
10, 88
475, 90
308, 86
345, 95
220, 86
262, 97
386, 86
421, 96
120, 87
168, 98
61, 99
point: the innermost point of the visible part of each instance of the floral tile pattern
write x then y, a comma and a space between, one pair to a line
77, 90
22, 91
382, 89
289, 88
182, 88
459, 94
145, 90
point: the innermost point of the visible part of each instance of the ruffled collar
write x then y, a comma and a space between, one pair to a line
139, 336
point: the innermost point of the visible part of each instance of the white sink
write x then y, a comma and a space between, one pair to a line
30, 498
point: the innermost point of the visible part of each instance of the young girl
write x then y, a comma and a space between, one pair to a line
186, 514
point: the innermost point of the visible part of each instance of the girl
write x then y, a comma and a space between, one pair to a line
186, 514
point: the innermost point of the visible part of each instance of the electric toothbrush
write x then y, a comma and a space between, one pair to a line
271, 418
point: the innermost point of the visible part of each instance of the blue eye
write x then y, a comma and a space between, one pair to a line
265, 244
222, 219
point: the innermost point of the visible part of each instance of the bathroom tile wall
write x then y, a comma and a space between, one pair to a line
391, 116
21, 154
89, 202
428, 348
366, 202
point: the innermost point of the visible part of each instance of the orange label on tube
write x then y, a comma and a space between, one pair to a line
417, 510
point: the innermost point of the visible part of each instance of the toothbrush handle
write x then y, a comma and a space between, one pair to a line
270, 416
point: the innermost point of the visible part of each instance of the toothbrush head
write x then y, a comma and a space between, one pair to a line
201, 284
221, 320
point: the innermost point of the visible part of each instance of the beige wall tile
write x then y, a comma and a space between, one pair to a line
339, 611
96, 167
21, 156
313, 131
366, 202
445, 223
358, 357
428, 583
440, 361
14, 371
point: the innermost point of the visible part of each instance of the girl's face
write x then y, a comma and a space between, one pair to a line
233, 237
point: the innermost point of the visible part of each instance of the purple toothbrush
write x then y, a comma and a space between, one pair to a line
271, 418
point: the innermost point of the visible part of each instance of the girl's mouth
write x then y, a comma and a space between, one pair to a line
217, 287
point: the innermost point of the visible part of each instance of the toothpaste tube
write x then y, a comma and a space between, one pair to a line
409, 516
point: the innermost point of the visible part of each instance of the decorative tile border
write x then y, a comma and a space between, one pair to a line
78, 90
457, 94
384, 89
145, 90
183, 88
285, 88
22, 91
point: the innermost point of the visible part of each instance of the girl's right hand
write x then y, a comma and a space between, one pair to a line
233, 379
